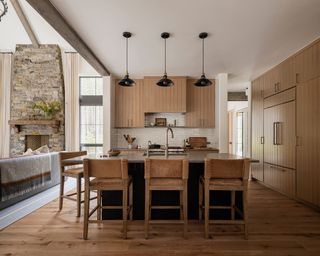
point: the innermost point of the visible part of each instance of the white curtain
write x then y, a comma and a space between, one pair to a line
5, 88
71, 83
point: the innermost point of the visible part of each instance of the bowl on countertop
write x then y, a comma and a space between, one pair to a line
113, 152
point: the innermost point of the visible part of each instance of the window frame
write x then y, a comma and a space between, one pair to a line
88, 100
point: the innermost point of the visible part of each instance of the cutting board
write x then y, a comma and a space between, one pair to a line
198, 142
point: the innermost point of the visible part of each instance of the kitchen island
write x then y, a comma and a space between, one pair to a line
196, 169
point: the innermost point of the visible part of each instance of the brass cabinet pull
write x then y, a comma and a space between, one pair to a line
297, 78
261, 140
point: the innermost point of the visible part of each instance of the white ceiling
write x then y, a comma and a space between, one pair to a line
246, 37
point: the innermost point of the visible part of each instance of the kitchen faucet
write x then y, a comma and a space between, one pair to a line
167, 143
148, 147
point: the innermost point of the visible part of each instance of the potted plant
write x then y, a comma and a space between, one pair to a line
49, 108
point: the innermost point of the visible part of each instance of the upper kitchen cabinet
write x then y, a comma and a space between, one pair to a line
280, 78
307, 63
128, 105
165, 99
257, 128
201, 105
271, 79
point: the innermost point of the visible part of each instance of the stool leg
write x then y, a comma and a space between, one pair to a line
78, 196
185, 209
245, 213
233, 201
131, 201
206, 210
146, 212
125, 210
99, 205
61, 192
181, 202
200, 200
86, 212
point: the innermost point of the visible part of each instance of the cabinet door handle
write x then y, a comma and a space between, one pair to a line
275, 87
278, 134
261, 140
278, 88
297, 78
274, 133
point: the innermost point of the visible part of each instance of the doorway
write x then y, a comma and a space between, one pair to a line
238, 127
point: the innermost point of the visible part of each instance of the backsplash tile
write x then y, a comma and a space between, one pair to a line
158, 136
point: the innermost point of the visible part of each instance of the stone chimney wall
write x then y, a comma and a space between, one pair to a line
37, 75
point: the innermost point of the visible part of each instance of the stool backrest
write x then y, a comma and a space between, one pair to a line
166, 168
71, 154
226, 168
106, 168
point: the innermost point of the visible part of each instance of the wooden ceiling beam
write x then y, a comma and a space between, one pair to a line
17, 7
47, 10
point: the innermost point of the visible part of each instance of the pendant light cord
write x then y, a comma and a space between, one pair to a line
165, 57
127, 56
203, 56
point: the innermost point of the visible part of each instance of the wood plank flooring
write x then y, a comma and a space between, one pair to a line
277, 226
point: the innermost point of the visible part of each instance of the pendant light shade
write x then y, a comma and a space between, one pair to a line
165, 81
126, 81
203, 81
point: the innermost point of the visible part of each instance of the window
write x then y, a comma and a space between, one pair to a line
91, 115
239, 134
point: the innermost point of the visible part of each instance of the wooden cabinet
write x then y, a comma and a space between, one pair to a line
128, 105
307, 63
279, 130
257, 128
271, 79
201, 105
280, 78
286, 75
165, 99
280, 142
308, 136
280, 178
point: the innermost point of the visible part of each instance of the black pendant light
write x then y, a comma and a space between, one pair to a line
203, 81
126, 81
165, 81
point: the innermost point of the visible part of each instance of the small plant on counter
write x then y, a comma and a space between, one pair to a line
49, 108
129, 139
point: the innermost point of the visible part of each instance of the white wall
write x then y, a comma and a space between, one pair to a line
221, 110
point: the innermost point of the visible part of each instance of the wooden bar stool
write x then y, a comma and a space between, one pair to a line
74, 171
163, 174
228, 175
102, 175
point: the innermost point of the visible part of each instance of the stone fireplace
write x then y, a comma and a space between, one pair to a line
36, 141
37, 76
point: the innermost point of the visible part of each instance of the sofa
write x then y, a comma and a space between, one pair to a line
25, 176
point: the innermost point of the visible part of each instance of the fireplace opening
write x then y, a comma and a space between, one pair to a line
36, 141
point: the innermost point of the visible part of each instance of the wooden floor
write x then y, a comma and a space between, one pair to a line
277, 226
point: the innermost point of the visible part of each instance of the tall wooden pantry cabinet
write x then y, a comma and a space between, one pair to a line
291, 126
